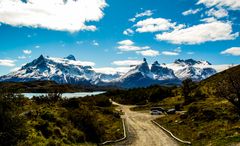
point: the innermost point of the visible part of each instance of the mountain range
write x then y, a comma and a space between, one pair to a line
68, 70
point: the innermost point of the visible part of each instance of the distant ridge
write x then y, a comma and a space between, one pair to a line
68, 70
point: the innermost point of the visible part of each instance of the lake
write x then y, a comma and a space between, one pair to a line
67, 95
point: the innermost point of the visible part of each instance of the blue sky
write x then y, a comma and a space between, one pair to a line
93, 30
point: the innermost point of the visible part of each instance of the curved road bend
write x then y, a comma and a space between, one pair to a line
141, 131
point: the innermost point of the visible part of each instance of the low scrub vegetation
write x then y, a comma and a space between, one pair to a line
46, 87
52, 120
141, 96
212, 110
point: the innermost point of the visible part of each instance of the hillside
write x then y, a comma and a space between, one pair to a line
211, 118
46, 87
210, 84
53, 121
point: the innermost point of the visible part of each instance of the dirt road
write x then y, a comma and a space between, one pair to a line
141, 131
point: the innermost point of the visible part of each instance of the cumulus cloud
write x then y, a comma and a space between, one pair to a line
127, 62
7, 62
156, 24
132, 19
230, 4
126, 42
60, 15
95, 43
127, 48
150, 53
128, 32
138, 15
170, 53
145, 13
128, 45
208, 20
219, 13
22, 57
191, 12
235, 51
175, 52
28, 52
190, 53
213, 31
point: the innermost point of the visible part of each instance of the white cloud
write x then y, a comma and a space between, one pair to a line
127, 62
235, 51
145, 13
138, 15
7, 62
220, 13
128, 45
178, 50
201, 33
191, 12
95, 43
170, 53
230, 4
126, 48
126, 42
132, 19
208, 20
37, 47
155, 24
175, 52
27, 52
150, 52
61, 15
190, 53
22, 57
128, 32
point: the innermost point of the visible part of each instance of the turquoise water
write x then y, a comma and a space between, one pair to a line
67, 95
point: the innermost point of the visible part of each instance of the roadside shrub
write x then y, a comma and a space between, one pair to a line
44, 128
12, 129
76, 136
192, 110
209, 114
48, 116
72, 103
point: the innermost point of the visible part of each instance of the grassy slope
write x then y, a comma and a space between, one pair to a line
80, 121
211, 121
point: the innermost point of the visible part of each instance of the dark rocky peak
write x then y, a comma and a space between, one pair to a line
187, 61
70, 57
155, 63
143, 67
160, 70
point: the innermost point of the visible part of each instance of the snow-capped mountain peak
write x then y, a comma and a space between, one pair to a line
190, 68
72, 71
191, 62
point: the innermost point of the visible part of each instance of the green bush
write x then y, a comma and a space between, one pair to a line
12, 129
